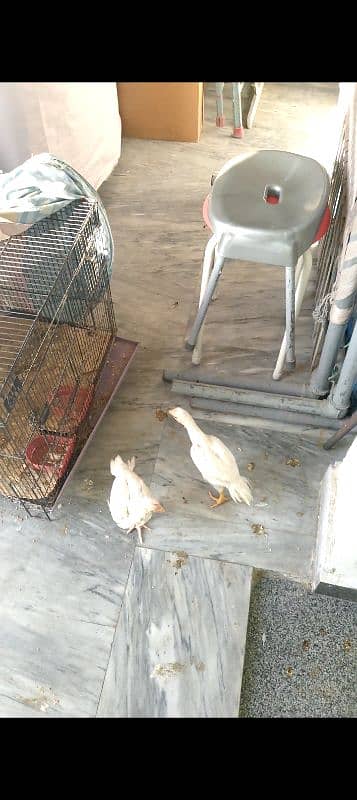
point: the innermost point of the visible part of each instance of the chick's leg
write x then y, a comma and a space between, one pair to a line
145, 528
138, 528
218, 501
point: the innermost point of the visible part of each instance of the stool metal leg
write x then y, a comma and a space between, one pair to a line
219, 101
237, 111
206, 271
257, 90
302, 277
279, 366
290, 316
206, 299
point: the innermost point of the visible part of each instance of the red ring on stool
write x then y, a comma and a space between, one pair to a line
324, 225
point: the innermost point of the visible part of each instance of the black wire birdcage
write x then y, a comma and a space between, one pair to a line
57, 324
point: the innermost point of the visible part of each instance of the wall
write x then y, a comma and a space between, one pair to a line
337, 541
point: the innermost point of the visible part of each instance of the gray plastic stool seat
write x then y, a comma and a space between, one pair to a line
265, 207
268, 232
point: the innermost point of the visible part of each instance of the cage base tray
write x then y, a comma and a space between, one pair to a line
117, 362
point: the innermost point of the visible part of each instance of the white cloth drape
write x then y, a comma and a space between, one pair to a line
77, 122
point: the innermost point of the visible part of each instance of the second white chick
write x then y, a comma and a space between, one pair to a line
131, 503
214, 461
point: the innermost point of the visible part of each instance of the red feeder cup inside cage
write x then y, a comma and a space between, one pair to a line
51, 453
71, 411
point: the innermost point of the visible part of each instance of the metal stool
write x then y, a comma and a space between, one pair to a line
267, 207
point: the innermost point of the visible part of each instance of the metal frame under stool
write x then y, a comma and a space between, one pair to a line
267, 207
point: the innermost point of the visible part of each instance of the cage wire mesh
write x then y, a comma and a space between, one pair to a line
331, 247
330, 293
57, 324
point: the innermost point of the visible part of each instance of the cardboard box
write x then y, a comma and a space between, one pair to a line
167, 111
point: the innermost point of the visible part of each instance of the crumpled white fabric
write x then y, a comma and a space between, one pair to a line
38, 188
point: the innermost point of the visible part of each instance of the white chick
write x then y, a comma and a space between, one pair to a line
131, 503
214, 461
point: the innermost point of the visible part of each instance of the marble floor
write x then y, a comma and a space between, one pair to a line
186, 621
62, 583
276, 532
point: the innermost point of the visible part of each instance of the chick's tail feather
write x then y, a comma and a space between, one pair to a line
240, 491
